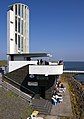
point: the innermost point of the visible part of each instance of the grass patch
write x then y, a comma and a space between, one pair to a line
12, 106
26, 112
10, 94
3, 63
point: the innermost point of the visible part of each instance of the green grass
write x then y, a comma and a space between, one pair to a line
3, 63
10, 94
75, 94
13, 106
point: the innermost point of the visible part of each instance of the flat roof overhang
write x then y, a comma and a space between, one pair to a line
31, 54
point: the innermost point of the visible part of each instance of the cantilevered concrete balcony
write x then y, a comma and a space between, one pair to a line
34, 68
46, 69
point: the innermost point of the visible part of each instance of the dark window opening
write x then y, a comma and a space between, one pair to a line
22, 11
11, 22
42, 91
19, 10
19, 42
15, 9
19, 25
15, 23
27, 58
11, 39
12, 58
15, 38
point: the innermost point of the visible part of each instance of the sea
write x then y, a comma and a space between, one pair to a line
74, 65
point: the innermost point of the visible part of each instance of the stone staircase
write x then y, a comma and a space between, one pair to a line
42, 105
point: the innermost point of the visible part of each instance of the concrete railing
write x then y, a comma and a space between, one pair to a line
14, 65
46, 69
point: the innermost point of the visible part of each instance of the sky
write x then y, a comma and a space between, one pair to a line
56, 27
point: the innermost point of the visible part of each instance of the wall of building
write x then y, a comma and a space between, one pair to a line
21, 79
14, 65
10, 32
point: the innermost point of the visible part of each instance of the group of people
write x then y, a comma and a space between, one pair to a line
57, 93
42, 62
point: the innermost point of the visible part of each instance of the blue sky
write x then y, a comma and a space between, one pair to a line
56, 26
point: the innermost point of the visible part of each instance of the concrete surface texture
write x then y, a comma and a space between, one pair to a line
63, 108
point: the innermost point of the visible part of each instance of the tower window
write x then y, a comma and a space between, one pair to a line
18, 41
21, 43
19, 10
11, 22
19, 25
15, 23
22, 11
11, 39
15, 38
15, 9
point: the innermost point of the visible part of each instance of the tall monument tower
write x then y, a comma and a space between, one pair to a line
18, 29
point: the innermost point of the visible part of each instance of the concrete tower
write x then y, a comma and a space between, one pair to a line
18, 29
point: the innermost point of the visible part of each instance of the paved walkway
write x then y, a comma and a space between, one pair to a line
0, 80
51, 117
64, 108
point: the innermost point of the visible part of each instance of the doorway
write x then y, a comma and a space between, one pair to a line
42, 91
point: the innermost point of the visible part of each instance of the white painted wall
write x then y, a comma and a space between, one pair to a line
51, 63
46, 69
13, 65
10, 32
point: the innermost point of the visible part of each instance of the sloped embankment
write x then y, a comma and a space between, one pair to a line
12, 106
77, 95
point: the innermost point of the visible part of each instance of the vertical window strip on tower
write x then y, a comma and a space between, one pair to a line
22, 11
19, 25
15, 23
25, 12
15, 38
15, 9
21, 43
18, 42
22, 27
19, 9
